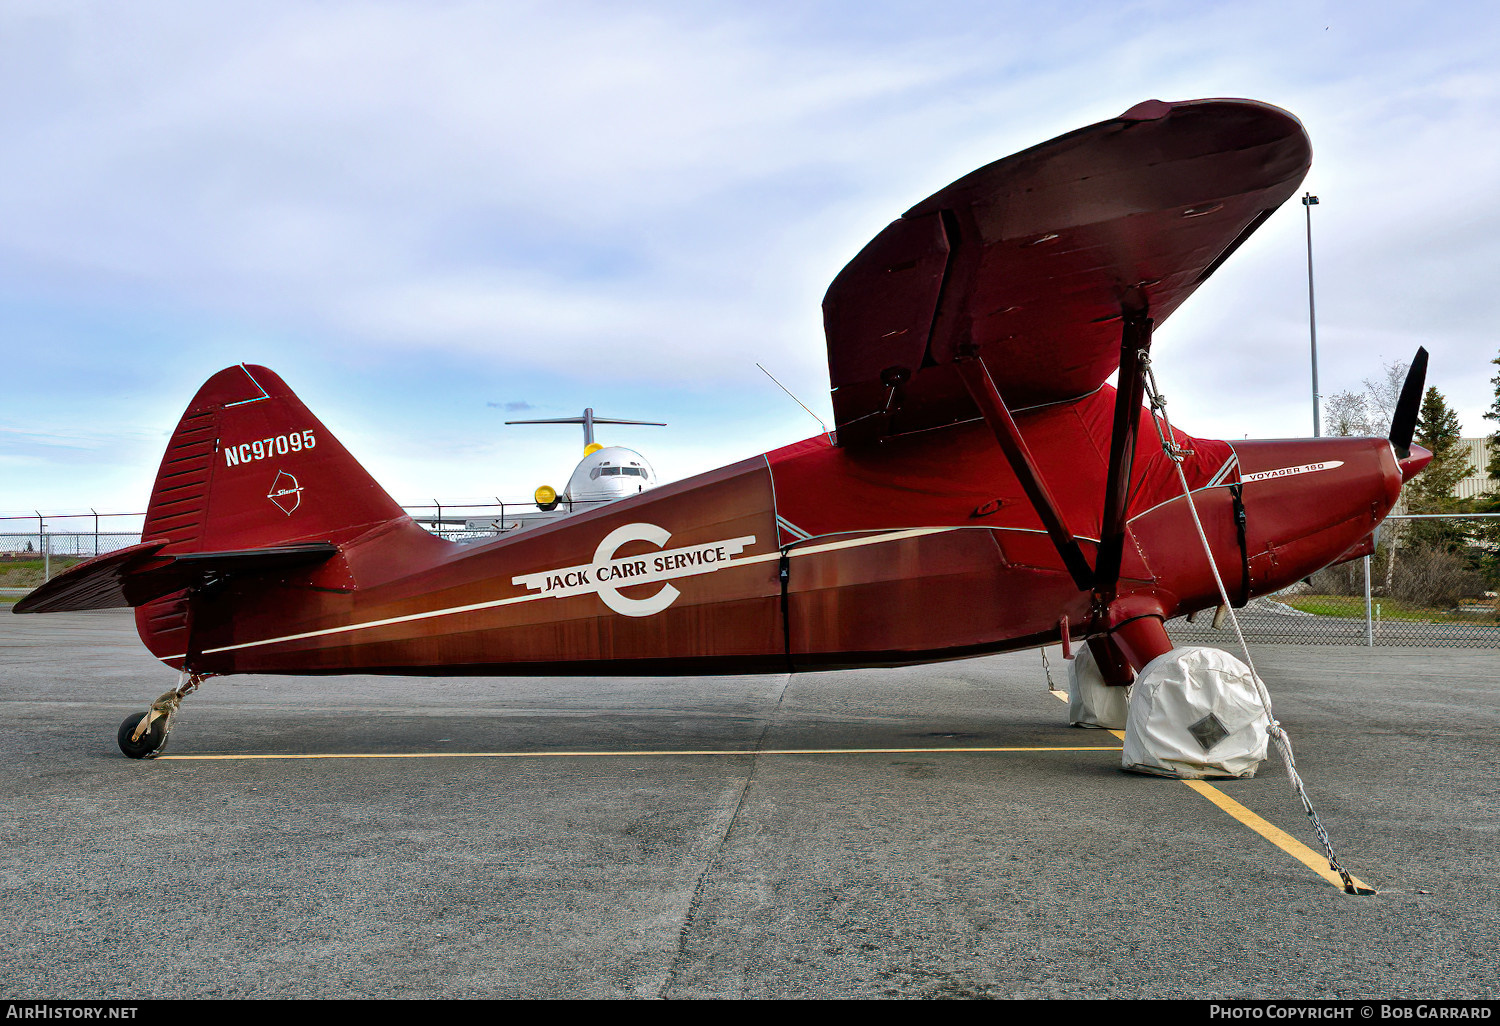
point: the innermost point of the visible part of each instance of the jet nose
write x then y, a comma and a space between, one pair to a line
1413, 464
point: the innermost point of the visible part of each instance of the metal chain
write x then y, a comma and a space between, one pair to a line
1283, 743
1047, 669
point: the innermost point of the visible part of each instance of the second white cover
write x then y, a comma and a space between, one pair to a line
1091, 702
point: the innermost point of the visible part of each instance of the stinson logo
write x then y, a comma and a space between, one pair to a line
285, 492
608, 573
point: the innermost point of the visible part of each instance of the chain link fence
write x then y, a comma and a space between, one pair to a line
1423, 586
1301, 616
36, 548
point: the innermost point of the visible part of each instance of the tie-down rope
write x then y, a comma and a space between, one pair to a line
1175, 453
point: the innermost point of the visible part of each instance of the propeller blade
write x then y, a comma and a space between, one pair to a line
1404, 422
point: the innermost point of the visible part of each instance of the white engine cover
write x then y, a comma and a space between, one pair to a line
1091, 702
1195, 713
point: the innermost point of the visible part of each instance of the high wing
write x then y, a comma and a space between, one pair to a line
1032, 262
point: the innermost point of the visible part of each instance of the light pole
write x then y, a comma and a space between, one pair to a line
1308, 202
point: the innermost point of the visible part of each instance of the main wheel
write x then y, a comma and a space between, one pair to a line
152, 741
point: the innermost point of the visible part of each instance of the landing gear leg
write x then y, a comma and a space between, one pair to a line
144, 735
1141, 640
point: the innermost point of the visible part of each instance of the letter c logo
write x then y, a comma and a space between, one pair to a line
606, 552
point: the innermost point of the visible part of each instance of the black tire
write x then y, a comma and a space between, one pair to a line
152, 741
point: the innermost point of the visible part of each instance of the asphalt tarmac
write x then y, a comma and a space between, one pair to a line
641, 869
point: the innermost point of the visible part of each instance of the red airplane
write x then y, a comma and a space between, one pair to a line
986, 490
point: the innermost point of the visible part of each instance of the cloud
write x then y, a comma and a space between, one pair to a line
575, 198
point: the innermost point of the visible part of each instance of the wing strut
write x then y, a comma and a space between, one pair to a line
987, 397
1135, 345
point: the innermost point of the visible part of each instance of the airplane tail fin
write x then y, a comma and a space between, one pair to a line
251, 483
250, 467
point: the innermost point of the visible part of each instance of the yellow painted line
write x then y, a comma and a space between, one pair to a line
1283, 840
618, 754
1277, 836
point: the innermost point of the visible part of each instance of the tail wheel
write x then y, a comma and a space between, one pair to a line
152, 740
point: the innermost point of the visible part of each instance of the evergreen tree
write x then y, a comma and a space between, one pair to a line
1431, 491
1438, 432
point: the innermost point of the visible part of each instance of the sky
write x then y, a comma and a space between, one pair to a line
432, 217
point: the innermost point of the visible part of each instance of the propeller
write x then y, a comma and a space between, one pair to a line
1404, 421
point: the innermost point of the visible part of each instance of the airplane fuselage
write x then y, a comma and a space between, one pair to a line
811, 556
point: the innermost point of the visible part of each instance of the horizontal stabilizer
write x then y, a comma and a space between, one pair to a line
136, 575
